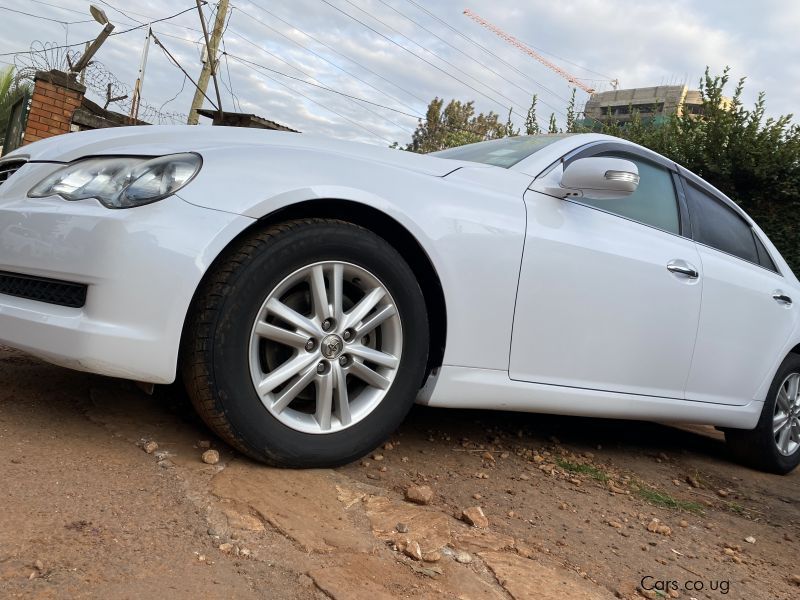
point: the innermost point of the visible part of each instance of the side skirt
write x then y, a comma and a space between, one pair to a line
467, 387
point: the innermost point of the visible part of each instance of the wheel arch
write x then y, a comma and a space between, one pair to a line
786, 352
379, 223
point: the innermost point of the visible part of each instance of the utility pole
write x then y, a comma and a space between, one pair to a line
137, 89
210, 65
83, 72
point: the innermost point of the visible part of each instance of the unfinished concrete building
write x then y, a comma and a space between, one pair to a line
650, 102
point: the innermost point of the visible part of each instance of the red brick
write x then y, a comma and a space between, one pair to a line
44, 104
46, 121
57, 102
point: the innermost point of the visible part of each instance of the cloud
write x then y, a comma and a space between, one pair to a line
643, 43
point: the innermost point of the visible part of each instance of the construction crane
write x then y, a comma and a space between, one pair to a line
532, 53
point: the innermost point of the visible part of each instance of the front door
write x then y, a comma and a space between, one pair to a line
609, 293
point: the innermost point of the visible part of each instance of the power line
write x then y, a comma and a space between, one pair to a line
321, 86
324, 59
566, 60
137, 21
338, 52
485, 49
149, 19
72, 10
112, 34
177, 64
195, 43
438, 68
229, 86
183, 85
251, 64
124, 14
457, 49
307, 97
278, 58
27, 14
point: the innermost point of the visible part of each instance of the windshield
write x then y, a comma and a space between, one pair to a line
504, 152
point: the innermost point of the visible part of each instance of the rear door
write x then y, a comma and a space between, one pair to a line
604, 301
747, 312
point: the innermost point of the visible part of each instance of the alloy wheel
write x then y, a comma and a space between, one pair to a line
786, 418
325, 347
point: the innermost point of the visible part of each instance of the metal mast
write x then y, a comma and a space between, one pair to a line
530, 52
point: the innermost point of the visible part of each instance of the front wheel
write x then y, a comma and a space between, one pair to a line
307, 344
774, 445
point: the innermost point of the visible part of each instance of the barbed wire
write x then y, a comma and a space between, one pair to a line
43, 56
115, 93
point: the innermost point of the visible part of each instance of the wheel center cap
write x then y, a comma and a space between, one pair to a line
332, 346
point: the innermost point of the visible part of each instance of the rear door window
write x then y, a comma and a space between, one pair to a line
720, 227
764, 259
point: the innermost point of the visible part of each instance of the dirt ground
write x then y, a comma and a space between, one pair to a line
575, 508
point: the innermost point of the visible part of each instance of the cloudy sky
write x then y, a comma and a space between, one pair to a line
396, 55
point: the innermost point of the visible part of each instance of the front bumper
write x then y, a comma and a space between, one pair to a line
141, 267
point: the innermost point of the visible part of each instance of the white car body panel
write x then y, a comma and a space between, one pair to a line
629, 324
729, 349
142, 273
472, 222
143, 266
238, 142
460, 387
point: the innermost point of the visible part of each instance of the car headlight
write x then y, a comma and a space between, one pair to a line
121, 182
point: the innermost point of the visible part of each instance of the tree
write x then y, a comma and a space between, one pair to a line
531, 124
10, 91
508, 130
553, 126
572, 125
453, 125
752, 158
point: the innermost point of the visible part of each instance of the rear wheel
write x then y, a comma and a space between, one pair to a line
774, 445
307, 344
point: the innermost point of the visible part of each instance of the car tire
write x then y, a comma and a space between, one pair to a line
774, 445
231, 361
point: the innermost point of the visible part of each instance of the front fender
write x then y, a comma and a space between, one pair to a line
471, 225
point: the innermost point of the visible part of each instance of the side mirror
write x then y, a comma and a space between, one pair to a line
595, 177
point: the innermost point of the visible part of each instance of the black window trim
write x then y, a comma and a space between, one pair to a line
681, 178
710, 191
601, 147
761, 248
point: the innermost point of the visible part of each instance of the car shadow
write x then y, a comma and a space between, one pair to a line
582, 433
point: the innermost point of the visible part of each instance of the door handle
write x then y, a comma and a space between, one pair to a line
781, 298
681, 267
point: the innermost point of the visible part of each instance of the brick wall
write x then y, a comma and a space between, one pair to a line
55, 98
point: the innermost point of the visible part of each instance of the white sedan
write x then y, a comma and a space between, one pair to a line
307, 291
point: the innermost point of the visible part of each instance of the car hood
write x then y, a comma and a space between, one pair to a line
156, 140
